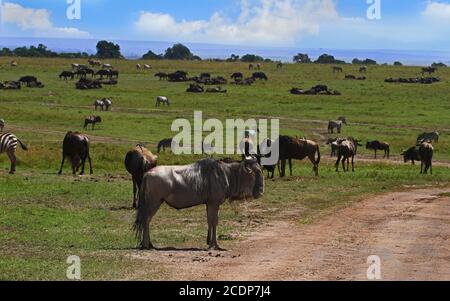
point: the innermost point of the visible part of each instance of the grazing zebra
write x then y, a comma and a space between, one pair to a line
432, 137
363, 69
99, 103
2, 125
147, 67
347, 149
92, 120
107, 102
138, 66
166, 143
8, 145
162, 100
336, 125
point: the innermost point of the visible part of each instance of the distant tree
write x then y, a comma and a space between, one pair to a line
251, 58
108, 50
39, 51
150, 55
398, 64
328, 59
233, 58
302, 58
6, 52
178, 52
437, 65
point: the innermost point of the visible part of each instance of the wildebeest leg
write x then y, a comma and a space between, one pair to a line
337, 162
12, 158
134, 193
62, 164
91, 171
290, 166
154, 207
375, 154
213, 220
283, 169
353, 163
83, 164
343, 163
421, 167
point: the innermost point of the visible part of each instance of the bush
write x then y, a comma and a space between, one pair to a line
150, 55
328, 59
178, 52
251, 58
364, 62
398, 64
302, 58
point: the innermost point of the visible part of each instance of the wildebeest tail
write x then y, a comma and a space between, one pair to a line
23, 146
318, 155
141, 213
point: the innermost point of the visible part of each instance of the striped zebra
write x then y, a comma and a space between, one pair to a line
336, 125
8, 145
2, 125
425, 137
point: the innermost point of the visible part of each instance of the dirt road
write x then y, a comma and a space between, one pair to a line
409, 231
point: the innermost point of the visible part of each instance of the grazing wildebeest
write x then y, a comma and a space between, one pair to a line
92, 120
431, 137
166, 143
162, 100
205, 75
67, 74
8, 145
429, 70
2, 125
377, 145
138, 66
76, 148
138, 161
103, 73
350, 76
94, 63
237, 76
426, 151
412, 154
336, 125
80, 73
207, 182
195, 88
338, 69
280, 65
75, 66
298, 149
28, 80
147, 67
89, 71
347, 149
161, 75
260, 75
363, 69
113, 73
99, 103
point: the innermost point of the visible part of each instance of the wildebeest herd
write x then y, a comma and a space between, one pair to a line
207, 181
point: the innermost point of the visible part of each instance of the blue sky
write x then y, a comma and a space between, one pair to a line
404, 24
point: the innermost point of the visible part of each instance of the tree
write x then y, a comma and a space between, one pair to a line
328, 59
233, 58
150, 55
364, 62
108, 50
302, 58
178, 52
251, 58
440, 65
398, 64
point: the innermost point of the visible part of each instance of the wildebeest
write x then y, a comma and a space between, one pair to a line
428, 70
138, 66
76, 148
147, 67
103, 73
113, 74
2, 125
8, 145
260, 75
216, 90
80, 73
377, 145
334, 143
347, 149
431, 137
207, 182
28, 80
161, 75
363, 69
195, 88
237, 76
163, 144
412, 154
338, 69
138, 161
298, 149
107, 102
66, 74
251, 67
86, 84
162, 100
92, 120
94, 62
178, 76
280, 65
426, 151
336, 125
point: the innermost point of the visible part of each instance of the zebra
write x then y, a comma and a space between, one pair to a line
432, 137
99, 103
162, 100
2, 125
336, 125
8, 144
92, 120
347, 149
107, 102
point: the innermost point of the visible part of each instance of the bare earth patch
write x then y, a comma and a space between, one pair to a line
409, 231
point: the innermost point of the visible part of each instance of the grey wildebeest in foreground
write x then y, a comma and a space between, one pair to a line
8, 145
138, 161
207, 182
336, 125
92, 120
163, 144
76, 148
426, 151
428, 137
377, 145
2, 125
298, 149
347, 149
162, 100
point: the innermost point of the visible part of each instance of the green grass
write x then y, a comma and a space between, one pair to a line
44, 218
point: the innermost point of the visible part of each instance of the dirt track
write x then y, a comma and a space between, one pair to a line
409, 231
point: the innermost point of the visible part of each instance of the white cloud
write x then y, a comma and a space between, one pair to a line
260, 22
36, 21
437, 11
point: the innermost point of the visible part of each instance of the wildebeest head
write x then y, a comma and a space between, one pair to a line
412, 154
251, 178
343, 119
